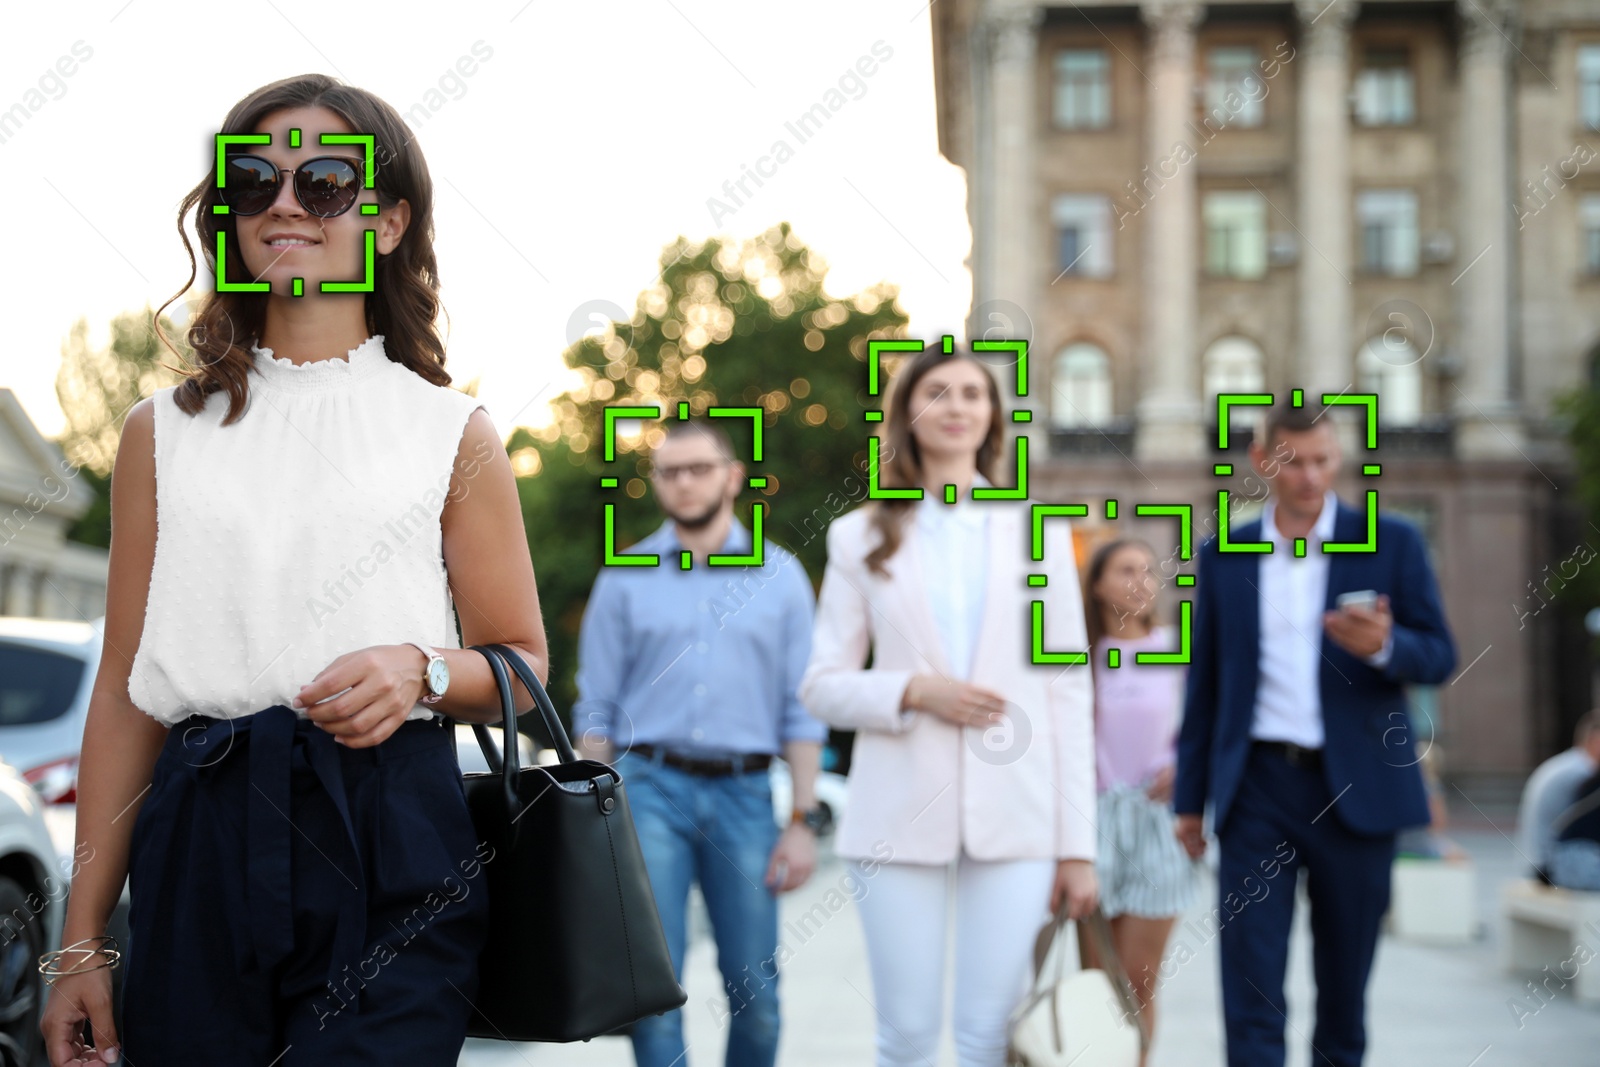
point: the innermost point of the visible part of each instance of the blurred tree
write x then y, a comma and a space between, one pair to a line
744, 324
96, 387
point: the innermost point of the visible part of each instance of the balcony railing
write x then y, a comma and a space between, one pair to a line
1433, 436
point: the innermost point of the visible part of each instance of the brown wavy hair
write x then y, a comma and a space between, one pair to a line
900, 458
404, 303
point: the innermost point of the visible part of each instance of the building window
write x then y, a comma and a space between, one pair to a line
1081, 387
1391, 366
1384, 95
1388, 221
1083, 235
1589, 227
1236, 234
1589, 85
1234, 89
1231, 365
1083, 89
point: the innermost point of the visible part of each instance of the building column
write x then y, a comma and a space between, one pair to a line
1324, 359
1169, 411
1009, 267
1488, 423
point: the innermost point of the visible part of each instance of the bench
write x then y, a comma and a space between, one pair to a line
1545, 927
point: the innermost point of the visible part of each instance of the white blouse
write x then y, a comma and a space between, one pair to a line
307, 529
953, 553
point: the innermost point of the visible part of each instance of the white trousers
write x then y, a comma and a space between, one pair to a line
1000, 906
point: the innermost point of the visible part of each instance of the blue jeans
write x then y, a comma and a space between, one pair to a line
719, 832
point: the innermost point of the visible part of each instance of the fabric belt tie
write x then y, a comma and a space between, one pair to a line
281, 742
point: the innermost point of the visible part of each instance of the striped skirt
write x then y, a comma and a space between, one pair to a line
1142, 868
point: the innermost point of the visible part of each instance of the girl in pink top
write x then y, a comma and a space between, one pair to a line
1146, 879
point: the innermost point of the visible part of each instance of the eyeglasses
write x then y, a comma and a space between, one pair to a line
694, 470
325, 186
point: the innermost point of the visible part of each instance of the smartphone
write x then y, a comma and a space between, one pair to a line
1359, 598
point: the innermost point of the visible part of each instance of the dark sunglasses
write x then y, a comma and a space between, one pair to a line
325, 186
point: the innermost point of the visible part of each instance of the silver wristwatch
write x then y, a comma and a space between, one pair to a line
435, 677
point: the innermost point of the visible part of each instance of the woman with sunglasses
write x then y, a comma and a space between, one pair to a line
268, 756
970, 759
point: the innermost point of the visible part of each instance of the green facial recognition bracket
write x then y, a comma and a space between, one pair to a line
1037, 515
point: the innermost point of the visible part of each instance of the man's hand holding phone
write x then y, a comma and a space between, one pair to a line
1362, 622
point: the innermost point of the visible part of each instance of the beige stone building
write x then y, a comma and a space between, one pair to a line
1172, 199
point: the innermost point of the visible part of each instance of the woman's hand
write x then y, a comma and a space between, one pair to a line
73, 999
958, 703
1077, 886
377, 687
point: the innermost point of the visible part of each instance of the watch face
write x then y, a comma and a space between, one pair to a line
438, 676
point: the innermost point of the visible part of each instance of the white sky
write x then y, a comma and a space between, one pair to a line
591, 137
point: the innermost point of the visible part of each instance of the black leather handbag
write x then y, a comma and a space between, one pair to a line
575, 945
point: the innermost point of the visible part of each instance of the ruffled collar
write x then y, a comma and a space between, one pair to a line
360, 363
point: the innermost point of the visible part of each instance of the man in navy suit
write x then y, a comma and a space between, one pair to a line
1296, 730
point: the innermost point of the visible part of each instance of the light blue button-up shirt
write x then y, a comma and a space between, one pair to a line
704, 660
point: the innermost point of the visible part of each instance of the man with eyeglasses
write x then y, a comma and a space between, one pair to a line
686, 683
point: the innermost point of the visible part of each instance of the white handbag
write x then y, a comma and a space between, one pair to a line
1088, 1018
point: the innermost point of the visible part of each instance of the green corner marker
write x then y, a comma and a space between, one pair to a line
613, 558
1226, 402
758, 544
1371, 542
1224, 542
1182, 655
877, 492
1040, 655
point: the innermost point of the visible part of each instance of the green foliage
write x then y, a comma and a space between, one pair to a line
1580, 409
745, 324
96, 388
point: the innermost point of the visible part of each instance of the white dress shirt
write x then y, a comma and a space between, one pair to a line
953, 549
1292, 594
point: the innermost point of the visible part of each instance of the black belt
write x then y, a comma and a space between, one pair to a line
710, 768
1296, 755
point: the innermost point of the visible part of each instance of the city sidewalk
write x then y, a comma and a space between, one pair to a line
1427, 1006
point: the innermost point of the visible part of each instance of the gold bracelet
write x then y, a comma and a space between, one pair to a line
50, 962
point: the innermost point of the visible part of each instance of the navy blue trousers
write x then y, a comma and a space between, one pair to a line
294, 901
1280, 822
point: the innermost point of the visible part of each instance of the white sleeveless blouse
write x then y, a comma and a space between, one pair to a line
307, 529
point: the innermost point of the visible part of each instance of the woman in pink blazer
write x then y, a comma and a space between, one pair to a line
969, 759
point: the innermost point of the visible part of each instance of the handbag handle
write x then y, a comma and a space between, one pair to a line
508, 766
1099, 930
547, 710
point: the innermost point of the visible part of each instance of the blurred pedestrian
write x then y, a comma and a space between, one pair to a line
1296, 729
1147, 880
1551, 789
686, 682
972, 764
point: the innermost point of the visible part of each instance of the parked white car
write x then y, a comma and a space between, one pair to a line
33, 900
